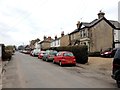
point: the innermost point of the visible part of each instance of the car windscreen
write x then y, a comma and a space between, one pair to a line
107, 50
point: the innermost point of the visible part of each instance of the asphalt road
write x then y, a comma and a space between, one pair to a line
24, 71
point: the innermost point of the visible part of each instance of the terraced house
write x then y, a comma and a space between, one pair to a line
98, 35
61, 41
46, 43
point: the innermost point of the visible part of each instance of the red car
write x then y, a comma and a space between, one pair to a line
64, 58
108, 52
40, 55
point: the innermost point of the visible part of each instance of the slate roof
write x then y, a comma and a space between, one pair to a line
113, 24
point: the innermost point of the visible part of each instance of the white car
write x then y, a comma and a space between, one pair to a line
35, 52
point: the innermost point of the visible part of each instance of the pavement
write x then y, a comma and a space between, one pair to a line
2, 65
0, 74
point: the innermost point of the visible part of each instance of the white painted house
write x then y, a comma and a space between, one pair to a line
56, 42
117, 32
37, 45
119, 12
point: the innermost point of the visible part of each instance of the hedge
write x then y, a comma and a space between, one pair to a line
80, 52
94, 54
6, 55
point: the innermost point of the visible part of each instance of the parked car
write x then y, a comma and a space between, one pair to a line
64, 58
26, 51
35, 52
108, 53
116, 67
31, 52
49, 55
41, 54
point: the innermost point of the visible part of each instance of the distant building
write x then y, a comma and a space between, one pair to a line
1, 50
34, 43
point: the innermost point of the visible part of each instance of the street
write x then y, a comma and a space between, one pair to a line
25, 71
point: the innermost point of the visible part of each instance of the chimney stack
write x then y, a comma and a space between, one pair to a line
49, 38
78, 24
44, 37
101, 14
55, 37
62, 33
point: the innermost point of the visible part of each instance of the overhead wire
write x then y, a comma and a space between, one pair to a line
23, 18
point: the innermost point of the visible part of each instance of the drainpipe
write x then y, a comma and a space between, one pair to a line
113, 43
69, 39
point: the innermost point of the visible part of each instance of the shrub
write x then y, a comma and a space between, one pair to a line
6, 56
94, 54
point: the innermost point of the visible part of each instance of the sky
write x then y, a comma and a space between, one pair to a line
24, 20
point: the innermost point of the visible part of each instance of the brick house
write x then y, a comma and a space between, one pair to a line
46, 43
61, 41
33, 43
98, 35
64, 40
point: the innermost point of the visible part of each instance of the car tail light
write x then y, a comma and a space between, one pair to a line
74, 59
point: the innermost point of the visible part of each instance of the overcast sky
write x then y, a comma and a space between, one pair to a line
24, 20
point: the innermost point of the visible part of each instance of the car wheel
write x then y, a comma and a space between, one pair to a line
74, 64
53, 62
60, 63
110, 56
34, 55
118, 81
46, 60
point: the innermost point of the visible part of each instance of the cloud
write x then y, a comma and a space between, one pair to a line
24, 20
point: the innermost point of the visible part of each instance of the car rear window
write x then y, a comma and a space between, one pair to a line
53, 52
68, 54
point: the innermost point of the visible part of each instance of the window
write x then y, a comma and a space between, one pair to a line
68, 54
84, 34
58, 42
80, 33
91, 34
73, 36
84, 43
55, 43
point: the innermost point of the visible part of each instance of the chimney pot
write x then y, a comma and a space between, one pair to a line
101, 14
78, 24
49, 38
